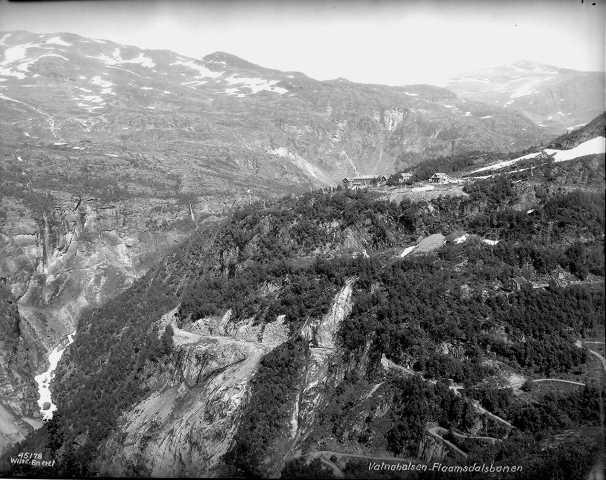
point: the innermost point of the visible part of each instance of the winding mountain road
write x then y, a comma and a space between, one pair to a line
492, 440
561, 380
600, 357
437, 432
481, 409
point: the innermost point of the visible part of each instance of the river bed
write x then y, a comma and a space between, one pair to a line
45, 402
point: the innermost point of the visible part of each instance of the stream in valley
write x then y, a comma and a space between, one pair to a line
45, 402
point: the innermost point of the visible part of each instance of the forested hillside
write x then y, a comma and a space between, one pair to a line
343, 343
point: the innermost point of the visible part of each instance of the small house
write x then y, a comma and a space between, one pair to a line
440, 177
399, 178
364, 181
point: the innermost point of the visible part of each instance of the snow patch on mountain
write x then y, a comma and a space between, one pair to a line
92, 98
233, 91
16, 53
58, 41
141, 60
203, 72
20, 70
117, 59
256, 85
13, 55
106, 85
522, 92
4, 38
595, 146
503, 164
91, 107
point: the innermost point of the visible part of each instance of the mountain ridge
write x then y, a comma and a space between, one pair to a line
210, 74
556, 98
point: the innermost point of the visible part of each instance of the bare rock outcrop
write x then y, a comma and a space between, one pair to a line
56, 261
185, 427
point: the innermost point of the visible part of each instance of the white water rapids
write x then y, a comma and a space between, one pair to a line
45, 402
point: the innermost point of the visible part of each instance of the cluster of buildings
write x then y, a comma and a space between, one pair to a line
396, 179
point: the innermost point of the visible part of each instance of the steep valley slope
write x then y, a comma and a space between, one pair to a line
59, 257
294, 338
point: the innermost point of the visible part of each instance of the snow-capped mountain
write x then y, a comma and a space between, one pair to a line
221, 122
556, 99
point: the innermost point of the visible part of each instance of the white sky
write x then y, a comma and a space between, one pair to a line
391, 42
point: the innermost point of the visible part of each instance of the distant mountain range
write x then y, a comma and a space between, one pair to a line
556, 99
221, 122
595, 128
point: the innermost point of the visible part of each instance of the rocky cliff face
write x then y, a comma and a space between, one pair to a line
432, 449
323, 369
65, 260
18, 357
55, 262
188, 424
